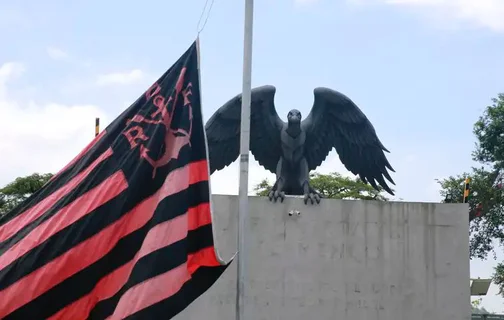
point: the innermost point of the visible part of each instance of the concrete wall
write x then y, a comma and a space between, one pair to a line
348, 260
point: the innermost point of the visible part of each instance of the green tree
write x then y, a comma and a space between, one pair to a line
477, 308
20, 189
498, 278
489, 131
486, 201
334, 186
486, 212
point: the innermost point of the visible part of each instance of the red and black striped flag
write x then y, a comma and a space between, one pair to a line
124, 231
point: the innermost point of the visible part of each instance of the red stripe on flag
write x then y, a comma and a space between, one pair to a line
80, 207
198, 171
158, 288
151, 291
19, 222
96, 247
199, 216
205, 257
81, 154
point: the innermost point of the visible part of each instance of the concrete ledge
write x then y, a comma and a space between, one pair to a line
343, 259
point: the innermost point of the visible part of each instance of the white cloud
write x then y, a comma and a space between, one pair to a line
477, 13
38, 137
56, 53
59, 54
120, 78
10, 70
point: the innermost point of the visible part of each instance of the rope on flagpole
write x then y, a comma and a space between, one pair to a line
199, 27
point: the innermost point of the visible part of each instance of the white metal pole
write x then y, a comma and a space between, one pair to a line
244, 158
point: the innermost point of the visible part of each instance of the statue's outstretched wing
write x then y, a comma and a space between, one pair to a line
223, 131
336, 121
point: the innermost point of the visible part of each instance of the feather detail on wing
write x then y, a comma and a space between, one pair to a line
335, 121
223, 131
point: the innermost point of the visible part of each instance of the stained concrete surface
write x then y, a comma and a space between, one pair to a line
343, 259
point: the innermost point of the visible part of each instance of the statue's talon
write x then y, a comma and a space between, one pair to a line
313, 196
306, 198
274, 195
279, 195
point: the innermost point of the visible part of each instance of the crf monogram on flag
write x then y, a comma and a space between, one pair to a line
124, 231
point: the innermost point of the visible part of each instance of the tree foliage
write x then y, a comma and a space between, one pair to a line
498, 278
489, 132
476, 307
334, 186
486, 212
486, 202
20, 189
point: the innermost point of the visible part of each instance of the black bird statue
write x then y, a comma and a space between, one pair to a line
291, 150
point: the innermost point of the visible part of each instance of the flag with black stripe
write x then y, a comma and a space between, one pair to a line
124, 231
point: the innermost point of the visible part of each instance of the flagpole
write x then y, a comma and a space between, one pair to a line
244, 158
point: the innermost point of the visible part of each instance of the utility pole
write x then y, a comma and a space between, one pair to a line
243, 209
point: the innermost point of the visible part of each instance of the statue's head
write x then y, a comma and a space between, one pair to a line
294, 116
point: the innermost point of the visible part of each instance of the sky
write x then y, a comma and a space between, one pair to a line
421, 70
